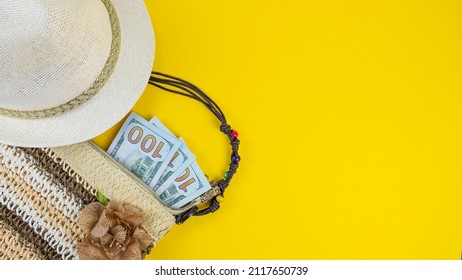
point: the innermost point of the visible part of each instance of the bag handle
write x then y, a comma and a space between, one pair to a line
184, 88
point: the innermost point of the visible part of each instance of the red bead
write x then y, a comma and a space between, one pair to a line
234, 133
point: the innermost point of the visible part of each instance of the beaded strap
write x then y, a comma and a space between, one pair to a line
94, 89
216, 194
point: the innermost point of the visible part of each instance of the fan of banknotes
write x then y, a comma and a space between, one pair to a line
161, 160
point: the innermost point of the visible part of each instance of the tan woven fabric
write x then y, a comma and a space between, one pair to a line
44, 216
43, 191
12, 248
26, 234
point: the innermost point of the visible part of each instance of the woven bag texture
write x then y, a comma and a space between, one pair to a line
43, 190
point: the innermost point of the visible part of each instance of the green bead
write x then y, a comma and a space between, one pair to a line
226, 175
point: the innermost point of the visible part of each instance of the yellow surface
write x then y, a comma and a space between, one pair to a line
350, 121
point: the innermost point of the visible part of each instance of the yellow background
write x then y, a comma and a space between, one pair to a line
350, 121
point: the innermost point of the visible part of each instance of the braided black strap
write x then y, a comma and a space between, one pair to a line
184, 88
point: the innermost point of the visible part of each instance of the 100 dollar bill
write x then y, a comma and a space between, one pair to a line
181, 159
144, 149
184, 186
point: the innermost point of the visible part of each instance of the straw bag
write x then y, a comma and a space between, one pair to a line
43, 190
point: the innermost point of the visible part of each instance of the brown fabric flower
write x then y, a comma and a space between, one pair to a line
112, 232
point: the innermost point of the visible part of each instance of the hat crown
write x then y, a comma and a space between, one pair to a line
51, 50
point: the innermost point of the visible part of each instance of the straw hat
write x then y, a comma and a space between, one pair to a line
70, 69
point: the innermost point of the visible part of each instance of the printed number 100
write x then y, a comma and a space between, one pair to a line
148, 142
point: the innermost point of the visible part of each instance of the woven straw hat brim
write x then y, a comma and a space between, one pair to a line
111, 104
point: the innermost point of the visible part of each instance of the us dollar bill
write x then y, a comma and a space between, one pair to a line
184, 186
144, 149
155, 121
182, 158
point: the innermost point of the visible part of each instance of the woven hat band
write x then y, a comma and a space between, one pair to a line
94, 88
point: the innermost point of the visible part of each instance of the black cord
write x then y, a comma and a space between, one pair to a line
181, 87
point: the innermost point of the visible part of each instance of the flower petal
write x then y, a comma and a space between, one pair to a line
119, 233
106, 240
90, 216
132, 209
95, 241
112, 207
133, 219
101, 227
143, 238
113, 252
133, 251
115, 206
87, 251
